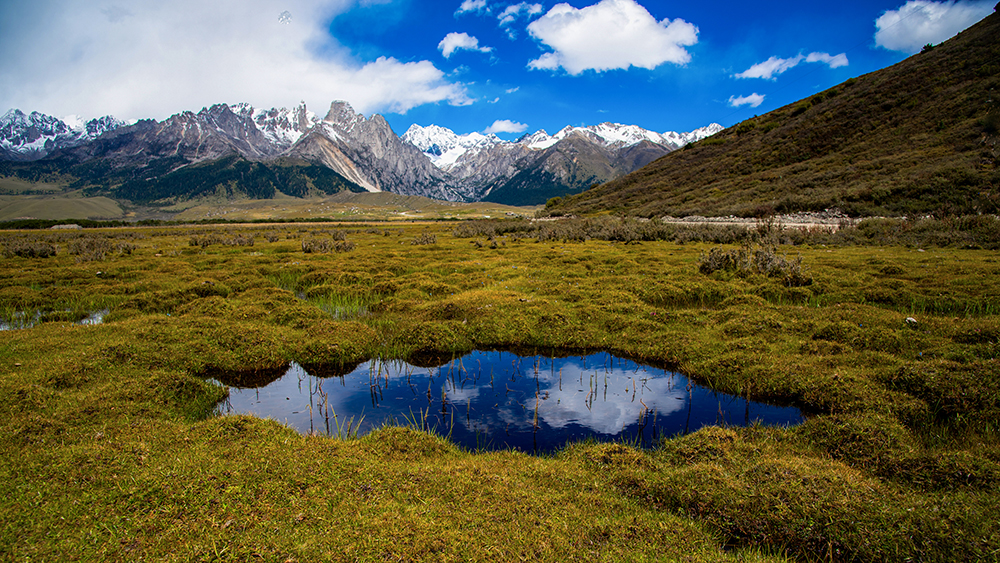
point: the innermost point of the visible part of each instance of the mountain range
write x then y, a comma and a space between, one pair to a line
241, 151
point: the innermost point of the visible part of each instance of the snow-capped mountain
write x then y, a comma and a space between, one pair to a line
207, 148
616, 135
488, 167
445, 148
368, 152
32, 136
283, 127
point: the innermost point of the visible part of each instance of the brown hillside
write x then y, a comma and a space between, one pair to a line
919, 137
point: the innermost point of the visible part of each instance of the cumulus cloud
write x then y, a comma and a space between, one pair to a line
505, 126
753, 100
613, 34
156, 58
471, 6
772, 67
460, 41
919, 22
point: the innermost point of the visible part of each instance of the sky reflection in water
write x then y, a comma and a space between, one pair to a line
497, 400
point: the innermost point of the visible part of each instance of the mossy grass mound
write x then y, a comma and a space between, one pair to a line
111, 452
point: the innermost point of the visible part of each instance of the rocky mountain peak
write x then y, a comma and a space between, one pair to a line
342, 114
32, 136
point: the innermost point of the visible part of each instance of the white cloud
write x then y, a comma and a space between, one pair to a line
772, 67
512, 90
460, 41
471, 6
613, 34
834, 61
505, 126
513, 11
753, 100
919, 22
157, 58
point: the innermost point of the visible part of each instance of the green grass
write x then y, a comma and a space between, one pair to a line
109, 450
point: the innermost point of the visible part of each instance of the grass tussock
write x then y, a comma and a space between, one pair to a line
755, 259
111, 451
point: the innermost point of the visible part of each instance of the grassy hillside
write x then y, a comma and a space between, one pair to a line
920, 137
58, 207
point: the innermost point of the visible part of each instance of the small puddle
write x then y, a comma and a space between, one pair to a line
95, 318
499, 400
22, 320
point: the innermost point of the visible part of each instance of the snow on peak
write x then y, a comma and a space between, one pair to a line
284, 126
37, 134
444, 147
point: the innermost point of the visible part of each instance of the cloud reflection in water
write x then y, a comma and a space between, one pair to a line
500, 400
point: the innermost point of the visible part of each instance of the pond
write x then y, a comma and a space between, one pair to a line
499, 400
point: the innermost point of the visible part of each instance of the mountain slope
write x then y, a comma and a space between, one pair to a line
919, 137
370, 154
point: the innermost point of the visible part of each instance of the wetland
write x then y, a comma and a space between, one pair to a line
886, 333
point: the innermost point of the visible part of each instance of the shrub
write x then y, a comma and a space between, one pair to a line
311, 245
29, 249
90, 249
317, 245
425, 238
755, 259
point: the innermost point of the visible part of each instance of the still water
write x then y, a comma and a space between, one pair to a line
499, 400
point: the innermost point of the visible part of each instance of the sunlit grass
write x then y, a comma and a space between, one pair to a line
110, 452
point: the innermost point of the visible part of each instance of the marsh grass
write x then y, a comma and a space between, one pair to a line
345, 306
110, 452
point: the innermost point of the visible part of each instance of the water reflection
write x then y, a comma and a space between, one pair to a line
497, 400
22, 320
95, 318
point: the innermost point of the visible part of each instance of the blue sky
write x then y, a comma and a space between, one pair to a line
469, 65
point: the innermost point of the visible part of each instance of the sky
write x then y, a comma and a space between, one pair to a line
482, 66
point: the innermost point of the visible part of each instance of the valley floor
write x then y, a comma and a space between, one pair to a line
109, 450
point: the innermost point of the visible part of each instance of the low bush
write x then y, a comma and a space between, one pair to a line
319, 245
755, 259
28, 249
424, 238
90, 249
